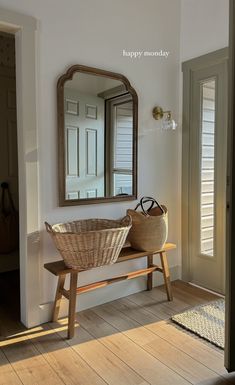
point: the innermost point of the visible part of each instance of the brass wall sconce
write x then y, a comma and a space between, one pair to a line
168, 122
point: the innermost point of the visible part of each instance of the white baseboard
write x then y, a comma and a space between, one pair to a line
107, 294
209, 291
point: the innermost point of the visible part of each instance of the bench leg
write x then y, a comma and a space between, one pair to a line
72, 303
166, 275
150, 275
58, 296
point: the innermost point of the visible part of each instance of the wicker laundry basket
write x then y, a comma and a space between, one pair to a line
89, 243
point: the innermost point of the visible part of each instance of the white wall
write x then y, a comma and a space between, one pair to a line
204, 27
94, 33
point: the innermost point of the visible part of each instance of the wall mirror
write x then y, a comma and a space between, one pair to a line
97, 127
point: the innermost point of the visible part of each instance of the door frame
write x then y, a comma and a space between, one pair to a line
216, 57
229, 357
25, 30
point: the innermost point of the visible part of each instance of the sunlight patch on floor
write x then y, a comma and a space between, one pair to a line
82, 336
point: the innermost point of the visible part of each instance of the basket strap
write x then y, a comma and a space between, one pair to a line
49, 228
126, 221
156, 202
145, 200
153, 201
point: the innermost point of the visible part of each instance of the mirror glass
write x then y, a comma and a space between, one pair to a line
98, 138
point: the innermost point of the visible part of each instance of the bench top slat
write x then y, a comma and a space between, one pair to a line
127, 253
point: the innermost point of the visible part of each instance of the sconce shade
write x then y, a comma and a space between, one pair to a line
169, 124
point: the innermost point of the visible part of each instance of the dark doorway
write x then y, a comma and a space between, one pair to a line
9, 202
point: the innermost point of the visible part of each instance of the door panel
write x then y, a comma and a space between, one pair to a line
207, 178
84, 134
72, 136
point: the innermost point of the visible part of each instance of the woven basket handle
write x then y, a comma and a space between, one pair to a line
153, 201
48, 228
126, 221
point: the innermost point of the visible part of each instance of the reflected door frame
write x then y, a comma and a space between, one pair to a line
110, 104
189, 68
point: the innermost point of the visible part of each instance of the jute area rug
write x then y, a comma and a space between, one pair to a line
207, 321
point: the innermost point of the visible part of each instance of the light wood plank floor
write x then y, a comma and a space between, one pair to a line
125, 342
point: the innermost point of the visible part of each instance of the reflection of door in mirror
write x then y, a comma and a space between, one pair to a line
84, 135
119, 115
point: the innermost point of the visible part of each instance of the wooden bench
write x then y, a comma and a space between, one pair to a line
59, 269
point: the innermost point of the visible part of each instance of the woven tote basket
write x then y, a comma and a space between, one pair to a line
149, 229
89, 243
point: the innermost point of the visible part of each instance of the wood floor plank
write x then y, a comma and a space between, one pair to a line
172, 333
196, 348
8, 325
199, 350
153, 371
126, 342
182, 300
181, 363
69, 366
113, 370
26, 361
191, 294
194, 290
7, 373
159, 296
30, 366
141, 314
159, 308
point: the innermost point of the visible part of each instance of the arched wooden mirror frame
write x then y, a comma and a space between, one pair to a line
61, 137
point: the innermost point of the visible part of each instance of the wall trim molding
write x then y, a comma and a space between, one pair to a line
208, 59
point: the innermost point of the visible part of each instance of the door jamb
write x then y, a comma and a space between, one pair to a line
25, 30
229, 357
